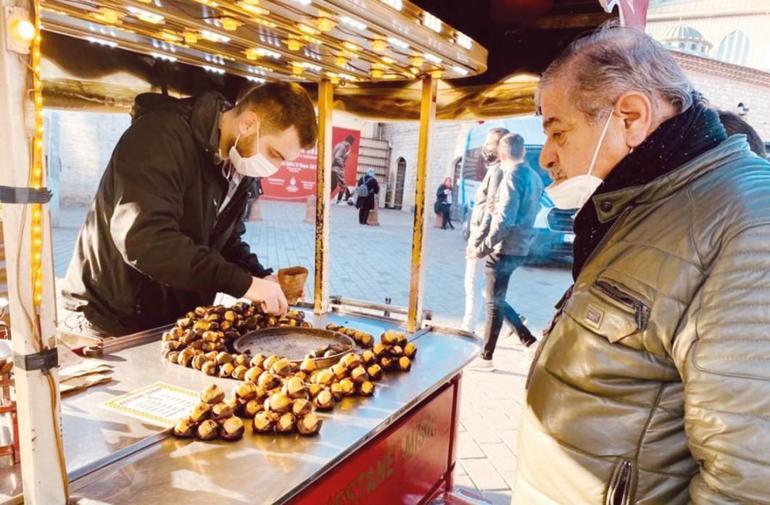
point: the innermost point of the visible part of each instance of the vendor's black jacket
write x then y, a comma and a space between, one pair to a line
152, 246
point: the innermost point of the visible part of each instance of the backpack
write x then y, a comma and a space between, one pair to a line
362, 190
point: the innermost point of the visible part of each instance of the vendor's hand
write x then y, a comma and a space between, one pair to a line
269, 294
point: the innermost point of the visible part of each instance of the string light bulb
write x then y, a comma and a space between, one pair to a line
379, 45
325, 24
190, 37
293, 45
376, 73
231, 24
23, 30
36, 172
416, 61
341, 61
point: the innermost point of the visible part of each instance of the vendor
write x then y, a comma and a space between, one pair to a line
163, 234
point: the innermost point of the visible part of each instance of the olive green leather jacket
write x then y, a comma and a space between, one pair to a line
653, 386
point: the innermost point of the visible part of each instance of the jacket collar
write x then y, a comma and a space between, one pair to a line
204, 113
610, 205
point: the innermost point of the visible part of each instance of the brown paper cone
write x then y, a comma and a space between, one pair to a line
292, 281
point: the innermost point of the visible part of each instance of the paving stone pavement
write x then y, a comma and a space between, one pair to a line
371, 263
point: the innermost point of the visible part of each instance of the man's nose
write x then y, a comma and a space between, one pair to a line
548, 158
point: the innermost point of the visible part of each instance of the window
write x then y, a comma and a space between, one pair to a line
734, 48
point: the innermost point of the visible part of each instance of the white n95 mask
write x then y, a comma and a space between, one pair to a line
253, 166
574, 192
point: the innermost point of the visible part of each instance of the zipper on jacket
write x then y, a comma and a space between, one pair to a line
619, 490
640, 309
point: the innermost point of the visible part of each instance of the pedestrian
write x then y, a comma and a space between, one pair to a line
487, 189
443, 204
652, 384
505, 246
163, 234
340, 155
366, 190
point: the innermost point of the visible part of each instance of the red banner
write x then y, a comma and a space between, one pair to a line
403, 466
295, 180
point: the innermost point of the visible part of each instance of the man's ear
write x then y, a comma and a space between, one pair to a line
635, 109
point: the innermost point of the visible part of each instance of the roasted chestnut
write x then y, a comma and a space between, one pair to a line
200, 413
224, 357
387, 363
232, 429
324, 400
230, 316
348, 387
366, 388
202, 325
379, 349
368, 358
359, 375
375, 372
226, 370
301, 376
241, 360
198, 361
252, 374
185, 357
314, 389
351, 360
211, 336
257, 360
308, 365
282, 367
185, 428
173, 356
286, 423
366, 340
246, 391
294, 388
279, 402
309, 424
396, 351
250, 408
212, 394
210, 368
339, 371
239, 372
301, 407
268, 381
410, 350
221, 411
208, 430
324, 377
404, 364
263, 422
201, 311
270, 361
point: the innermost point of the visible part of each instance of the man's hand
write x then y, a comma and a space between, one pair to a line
471, 253
268, 292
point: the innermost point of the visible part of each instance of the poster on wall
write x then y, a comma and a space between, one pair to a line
295, 180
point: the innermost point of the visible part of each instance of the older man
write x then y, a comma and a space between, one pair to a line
652, 385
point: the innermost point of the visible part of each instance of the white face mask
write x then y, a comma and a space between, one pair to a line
253, 166
575, 191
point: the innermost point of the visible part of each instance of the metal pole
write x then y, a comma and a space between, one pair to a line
427, 118
323, 183
29, 259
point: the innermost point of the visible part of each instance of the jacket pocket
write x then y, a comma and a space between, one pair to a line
609, 309
619, 489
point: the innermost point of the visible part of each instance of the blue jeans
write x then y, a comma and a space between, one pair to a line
497, 274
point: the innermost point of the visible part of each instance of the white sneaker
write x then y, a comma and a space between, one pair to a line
481, 365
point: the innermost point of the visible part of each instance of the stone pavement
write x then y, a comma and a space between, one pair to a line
371, 263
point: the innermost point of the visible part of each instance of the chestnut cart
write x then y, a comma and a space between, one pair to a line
397, 447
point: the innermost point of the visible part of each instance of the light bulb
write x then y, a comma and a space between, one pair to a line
23, 30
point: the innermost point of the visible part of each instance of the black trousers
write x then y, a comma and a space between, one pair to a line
363, 215
497, 274
446, 218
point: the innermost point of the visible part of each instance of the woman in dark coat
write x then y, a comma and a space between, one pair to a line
365, 200
444, 203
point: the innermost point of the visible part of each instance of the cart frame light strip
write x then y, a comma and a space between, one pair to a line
309, 42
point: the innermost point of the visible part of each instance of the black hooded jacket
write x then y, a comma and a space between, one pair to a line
153, 245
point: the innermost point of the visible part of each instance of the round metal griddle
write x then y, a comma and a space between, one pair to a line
294, 343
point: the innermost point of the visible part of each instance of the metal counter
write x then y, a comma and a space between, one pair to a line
116, 459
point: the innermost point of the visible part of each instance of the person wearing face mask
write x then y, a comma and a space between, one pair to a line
163, 234
505, 245
651, 385
479, 223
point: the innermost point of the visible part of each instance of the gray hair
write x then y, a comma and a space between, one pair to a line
612, 61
